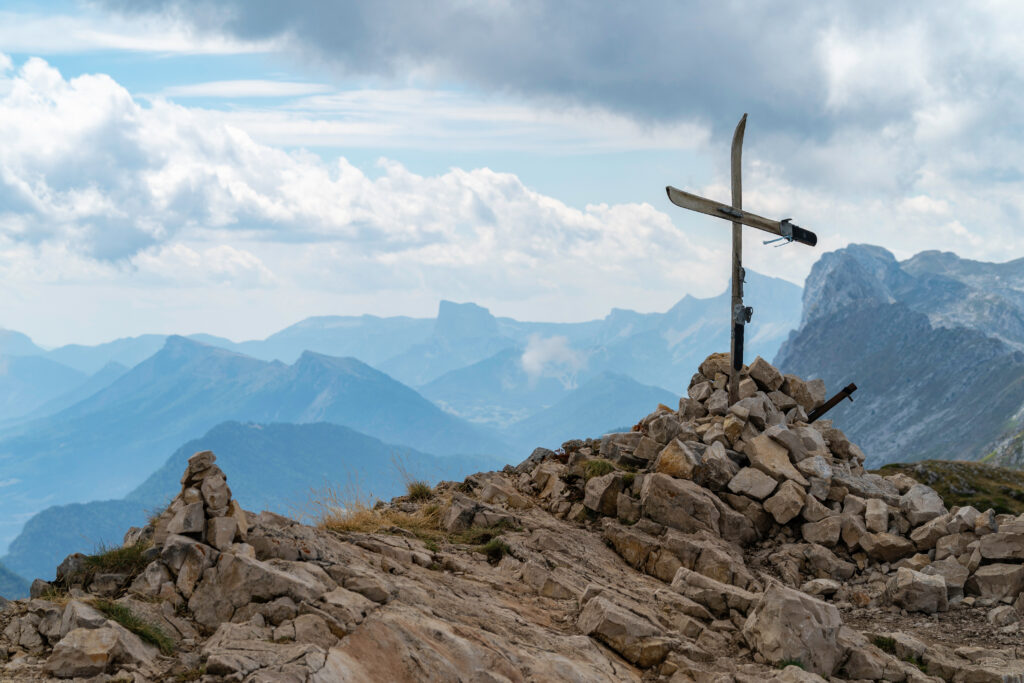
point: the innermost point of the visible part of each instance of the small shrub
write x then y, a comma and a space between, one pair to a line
494, 549
790, 662
597, 468
144, 630
419, 490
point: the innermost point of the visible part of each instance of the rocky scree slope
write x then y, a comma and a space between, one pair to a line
711, 543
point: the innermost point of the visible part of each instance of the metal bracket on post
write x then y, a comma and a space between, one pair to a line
741, 314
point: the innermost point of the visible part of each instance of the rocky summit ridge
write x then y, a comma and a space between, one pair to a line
710, 543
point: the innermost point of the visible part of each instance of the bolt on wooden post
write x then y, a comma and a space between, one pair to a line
785, 231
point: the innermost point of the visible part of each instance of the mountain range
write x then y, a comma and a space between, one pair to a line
280, 467
487, 389
107, 444
934, 344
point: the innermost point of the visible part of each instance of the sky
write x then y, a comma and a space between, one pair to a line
179, 166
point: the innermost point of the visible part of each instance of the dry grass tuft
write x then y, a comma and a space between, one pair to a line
356, 514
419, 490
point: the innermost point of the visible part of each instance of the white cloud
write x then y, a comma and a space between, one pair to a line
460, 120
37, 33
129, 201
246, 88
552, 357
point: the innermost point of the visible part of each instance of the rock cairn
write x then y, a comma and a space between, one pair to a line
710, 543
204, 510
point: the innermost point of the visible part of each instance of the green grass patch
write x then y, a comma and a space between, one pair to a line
885, 644
790, 662
597, 468
481, 535
150, 633
494, 549
968, 483
128, 560
191, 674
918, 662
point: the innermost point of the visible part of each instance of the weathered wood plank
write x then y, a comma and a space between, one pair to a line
726, 212
736, 338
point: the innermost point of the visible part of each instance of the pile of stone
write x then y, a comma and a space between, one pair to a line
698, 488
711, 543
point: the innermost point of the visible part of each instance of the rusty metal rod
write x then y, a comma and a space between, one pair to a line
832, 402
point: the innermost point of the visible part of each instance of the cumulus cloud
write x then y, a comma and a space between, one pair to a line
552, 357
854, 106
100, 187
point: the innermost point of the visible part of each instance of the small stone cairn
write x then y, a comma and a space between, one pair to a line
204, 510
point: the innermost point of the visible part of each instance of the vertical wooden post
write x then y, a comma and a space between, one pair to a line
736, 309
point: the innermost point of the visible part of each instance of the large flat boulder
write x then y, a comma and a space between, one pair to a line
679, 504
996, 581
920, 504
89, 652
790, 626
237, 580
632, 636
917, 592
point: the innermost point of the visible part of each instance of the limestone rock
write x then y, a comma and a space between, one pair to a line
89, 652
996, 581
751, 482
221, 532
716, 596
1003, 545
772, 458
677, 459
952, 572
823, 532
876, 516
678, 503
801, 393
718, 402
602, 493
636, 639
716, 468
920, 504
236, 581
188, 520
814, 511
765, 374
664, 428
917, 592
886, 547
787, 502
788, 625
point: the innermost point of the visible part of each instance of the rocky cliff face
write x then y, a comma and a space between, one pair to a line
933, 344
711, 543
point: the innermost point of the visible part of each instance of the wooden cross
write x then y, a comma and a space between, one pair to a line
787, 232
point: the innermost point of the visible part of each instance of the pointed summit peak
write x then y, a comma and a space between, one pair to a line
466, 320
